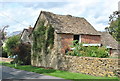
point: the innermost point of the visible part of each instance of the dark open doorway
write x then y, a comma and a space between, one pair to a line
76, 37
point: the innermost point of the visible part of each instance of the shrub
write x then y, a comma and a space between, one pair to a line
13, 48
90, 51
4, 53
102, 52
24, 54
11, 44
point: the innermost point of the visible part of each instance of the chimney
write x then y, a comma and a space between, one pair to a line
30, 27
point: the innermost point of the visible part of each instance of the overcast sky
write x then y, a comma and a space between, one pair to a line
20, 14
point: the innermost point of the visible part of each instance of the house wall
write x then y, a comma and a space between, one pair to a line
90, 39
25, 38
41, 58
66, 41
50, 59
114, 53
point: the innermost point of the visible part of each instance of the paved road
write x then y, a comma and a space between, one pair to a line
10, 73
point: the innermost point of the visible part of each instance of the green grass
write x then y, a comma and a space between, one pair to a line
58, 73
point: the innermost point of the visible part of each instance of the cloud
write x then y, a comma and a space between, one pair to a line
46, 5
22, 14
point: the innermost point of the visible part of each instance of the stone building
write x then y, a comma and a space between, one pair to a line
48, 48
25, 35
66, 29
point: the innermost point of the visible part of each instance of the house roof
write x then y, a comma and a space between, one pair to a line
108, 40
69, 24
27, 30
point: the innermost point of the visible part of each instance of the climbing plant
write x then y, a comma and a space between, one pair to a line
50, 37
43, 38
39, 37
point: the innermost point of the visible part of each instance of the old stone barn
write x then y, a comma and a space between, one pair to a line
53, 34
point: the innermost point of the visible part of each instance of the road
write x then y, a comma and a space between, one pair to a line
10, 73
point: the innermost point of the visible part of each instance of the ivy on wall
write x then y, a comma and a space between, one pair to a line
39, 37
43, 39
50, 37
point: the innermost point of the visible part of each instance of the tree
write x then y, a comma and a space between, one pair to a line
11, 45
114, 28
22, 51
118, 31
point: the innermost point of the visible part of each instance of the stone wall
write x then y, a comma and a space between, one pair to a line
114, 53
50, 59
89, 65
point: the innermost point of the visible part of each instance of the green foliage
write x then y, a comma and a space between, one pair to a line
77, 47
24, 54
114, 29
118, 31
43, 39
11, 44
4, 53
50, 36
13, 47
39, 37
90, 51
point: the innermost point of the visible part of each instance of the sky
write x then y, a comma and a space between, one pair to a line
19, 14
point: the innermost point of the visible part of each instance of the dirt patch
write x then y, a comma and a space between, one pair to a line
5, 59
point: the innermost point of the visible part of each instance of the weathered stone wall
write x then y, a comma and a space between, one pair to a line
90, 39
114, 53
24, 37
89, 65
50, 59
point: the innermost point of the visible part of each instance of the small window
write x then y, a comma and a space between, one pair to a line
76, 37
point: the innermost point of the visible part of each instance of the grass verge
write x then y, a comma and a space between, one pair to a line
59, 73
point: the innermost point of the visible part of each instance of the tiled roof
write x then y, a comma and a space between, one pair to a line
108, 40
70, 24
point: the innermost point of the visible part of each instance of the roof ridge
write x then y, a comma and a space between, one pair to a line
67, 15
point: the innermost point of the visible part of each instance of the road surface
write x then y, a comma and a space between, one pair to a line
10, 73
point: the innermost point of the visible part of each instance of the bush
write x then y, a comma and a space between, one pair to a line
24, 54
11, 44
22, 51
4, 53
90, 51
